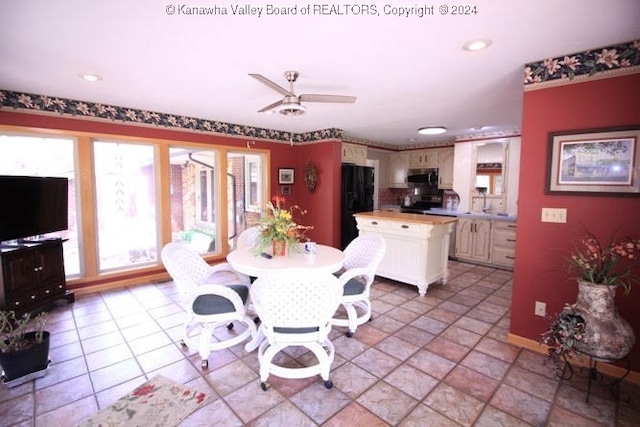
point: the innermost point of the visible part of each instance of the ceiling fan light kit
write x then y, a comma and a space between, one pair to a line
290, 104
432, 130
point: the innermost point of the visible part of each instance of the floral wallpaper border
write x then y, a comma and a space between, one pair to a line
588, 63
52, 104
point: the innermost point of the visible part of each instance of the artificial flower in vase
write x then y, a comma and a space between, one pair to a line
599, 270
278, 228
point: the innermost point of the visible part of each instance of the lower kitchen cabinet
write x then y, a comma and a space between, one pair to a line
32, 276
503, 251
473, 239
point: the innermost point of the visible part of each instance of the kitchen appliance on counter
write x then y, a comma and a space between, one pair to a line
357, 196
424, 191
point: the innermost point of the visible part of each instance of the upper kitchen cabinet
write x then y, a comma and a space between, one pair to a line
353, 153
423, 159
445, 168
398, 166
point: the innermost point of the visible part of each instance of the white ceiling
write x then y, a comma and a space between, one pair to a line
407, 72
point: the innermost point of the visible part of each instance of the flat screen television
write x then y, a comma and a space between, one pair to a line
31, 206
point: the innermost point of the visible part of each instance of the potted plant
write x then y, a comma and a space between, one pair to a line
593, 326
279, 229
22, 351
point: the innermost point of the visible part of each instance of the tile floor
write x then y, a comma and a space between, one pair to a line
439, 360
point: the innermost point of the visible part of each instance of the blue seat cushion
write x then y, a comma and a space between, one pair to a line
296, 330
353, 287
216, 304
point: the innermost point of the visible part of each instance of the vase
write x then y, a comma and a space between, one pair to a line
607, 336
279, 247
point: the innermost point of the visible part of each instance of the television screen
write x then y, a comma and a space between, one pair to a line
32, 206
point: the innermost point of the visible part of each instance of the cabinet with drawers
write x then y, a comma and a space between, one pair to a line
417, 251
503, 251
32, 276
473, 239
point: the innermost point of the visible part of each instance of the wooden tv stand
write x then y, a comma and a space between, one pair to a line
32, 276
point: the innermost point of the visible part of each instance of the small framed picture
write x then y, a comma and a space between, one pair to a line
285, 190
285, 176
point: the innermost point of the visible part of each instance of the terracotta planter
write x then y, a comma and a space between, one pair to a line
20, 363
607, 335
279, 247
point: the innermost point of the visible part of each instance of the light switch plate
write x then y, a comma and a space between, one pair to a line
554, 215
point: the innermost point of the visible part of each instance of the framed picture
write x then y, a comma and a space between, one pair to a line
286, 190
594, 162
285, 176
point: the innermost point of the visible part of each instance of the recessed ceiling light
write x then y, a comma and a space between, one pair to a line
90, 77
475, 45
432, 130
411, 139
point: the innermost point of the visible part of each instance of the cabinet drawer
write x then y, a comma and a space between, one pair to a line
374, 223
504, 238
504, 225
408, 227
503, 256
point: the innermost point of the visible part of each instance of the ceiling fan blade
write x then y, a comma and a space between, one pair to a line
327, 98
271, 84
270, 106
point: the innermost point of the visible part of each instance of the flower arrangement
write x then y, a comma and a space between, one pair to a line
279, 225
610, 265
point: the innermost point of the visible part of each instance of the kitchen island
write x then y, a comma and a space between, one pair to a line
417, 245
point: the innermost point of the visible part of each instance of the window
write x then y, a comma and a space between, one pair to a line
125, 204
253, 183
46, 156
195, 200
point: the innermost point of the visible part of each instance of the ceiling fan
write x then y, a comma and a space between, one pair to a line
290, 105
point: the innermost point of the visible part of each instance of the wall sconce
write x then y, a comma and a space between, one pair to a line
310, 176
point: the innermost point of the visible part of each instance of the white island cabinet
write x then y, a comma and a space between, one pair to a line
417, 246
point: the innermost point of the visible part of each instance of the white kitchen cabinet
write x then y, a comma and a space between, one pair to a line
398, 166
445, 168
417, 246
503, 246
353, 153
473, 239
420, 159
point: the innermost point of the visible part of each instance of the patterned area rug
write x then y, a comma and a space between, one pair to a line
158, 402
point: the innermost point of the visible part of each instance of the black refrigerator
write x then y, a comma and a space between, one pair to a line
357, 196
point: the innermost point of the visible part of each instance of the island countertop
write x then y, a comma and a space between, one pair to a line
407, 217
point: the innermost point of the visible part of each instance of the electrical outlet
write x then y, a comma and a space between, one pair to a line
541, 309
554, 215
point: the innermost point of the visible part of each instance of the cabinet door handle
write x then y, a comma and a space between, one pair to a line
374, 223
511, 240
404, 226
509, 257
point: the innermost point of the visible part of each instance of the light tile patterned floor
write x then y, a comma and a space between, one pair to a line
439, 360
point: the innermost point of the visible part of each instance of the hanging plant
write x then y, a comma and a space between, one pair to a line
563, 333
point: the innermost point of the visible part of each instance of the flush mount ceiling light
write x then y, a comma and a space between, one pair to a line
291, 109
475, 45
432, 130
90, 77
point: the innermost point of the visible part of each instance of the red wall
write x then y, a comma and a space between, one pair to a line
542, 247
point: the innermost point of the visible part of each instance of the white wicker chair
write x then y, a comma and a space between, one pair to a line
362, 258
213, 296
295, 307
248, 239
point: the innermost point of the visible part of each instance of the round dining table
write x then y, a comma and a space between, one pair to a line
247, 261
327, 259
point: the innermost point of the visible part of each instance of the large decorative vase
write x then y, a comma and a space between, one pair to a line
279, 247
607, 336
